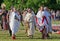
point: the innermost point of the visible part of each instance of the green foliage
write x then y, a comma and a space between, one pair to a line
34, 4
1, 2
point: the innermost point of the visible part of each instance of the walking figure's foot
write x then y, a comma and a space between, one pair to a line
13, 37
31, 36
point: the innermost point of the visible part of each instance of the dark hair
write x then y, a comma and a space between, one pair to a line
24, 11
11, 7
42, 6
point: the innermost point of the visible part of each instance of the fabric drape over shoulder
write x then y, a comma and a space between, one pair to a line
14, 23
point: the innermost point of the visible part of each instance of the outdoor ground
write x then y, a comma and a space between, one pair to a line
22, 36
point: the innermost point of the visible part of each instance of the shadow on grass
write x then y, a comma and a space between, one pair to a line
25, 37
36, 37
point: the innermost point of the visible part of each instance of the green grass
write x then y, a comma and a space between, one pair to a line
22, 36
55, 22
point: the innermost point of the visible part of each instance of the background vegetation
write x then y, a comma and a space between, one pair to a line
34, 4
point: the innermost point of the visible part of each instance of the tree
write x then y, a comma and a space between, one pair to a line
34, 4
1, 2
53, 1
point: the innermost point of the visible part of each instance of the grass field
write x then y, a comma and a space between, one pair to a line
55, 22
22, 36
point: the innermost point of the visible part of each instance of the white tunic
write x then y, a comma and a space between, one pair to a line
39, 16
47, 14
14, 23
30, 18
27, 17
34, 18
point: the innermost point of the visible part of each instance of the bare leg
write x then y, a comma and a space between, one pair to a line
44, 33
13, 36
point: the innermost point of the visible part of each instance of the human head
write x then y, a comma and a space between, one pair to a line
41, 8
46, 8
13, 8
3, 6
29, 10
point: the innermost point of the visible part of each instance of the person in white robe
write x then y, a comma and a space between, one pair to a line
24, 23
48, 15
42, 22
30, 20
34, 18
14, 22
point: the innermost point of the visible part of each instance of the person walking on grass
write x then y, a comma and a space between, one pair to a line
14, 22
48, 16
3, 14
42, 22
29, 19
